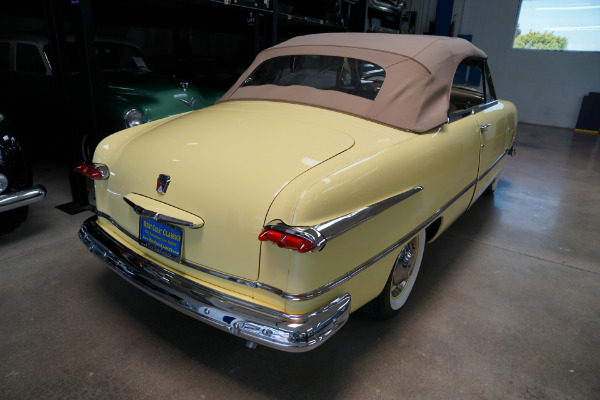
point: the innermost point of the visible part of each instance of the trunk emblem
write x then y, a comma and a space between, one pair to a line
162, 183
184, 85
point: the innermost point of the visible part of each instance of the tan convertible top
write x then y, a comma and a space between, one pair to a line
416, 90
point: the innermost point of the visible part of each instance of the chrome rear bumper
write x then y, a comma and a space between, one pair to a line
22, 198
282, 331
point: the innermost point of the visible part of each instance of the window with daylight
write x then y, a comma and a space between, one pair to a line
342, 74
559, 25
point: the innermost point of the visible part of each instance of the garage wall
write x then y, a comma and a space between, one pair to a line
546, 86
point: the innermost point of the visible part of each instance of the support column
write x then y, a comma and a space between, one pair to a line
443, 17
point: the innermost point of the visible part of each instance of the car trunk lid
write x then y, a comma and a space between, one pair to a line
226, 166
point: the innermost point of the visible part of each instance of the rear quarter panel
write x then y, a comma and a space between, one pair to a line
443, 162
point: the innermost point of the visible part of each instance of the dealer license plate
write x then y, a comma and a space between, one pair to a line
162, 238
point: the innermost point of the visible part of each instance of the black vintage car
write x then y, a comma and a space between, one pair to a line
16, 183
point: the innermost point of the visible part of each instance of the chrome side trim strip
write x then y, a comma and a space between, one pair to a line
342, 279
455, 116
321, 233
270, 327
506, 151
112, 221
337, 226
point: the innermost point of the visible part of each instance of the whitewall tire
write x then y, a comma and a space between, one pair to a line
401, 280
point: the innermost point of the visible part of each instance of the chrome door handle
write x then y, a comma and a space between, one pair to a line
484, 128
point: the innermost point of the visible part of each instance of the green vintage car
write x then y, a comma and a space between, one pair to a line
130, 93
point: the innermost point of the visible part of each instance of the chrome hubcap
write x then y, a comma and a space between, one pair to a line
404, 266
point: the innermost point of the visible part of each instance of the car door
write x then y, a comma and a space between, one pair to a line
473, 97
491, 118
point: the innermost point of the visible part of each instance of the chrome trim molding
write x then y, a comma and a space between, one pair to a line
103, 170
337, 226
321, 233
506, 151
455, 116
112, 221
272, 328
10, 201
142, 212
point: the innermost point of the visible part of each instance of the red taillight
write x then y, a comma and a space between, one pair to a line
96, 172
286, 240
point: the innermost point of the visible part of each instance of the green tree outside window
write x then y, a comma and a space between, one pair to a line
539, 41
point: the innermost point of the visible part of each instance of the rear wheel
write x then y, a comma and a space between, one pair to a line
401, 280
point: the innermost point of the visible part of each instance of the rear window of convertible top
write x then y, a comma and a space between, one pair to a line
342, 74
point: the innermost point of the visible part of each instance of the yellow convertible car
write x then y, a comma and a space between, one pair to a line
309, 190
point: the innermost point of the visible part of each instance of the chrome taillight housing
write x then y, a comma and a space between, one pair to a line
93, 171
287, 240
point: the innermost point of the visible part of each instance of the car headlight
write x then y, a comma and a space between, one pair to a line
3, 183
133, 117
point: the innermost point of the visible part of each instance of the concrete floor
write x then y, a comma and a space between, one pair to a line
506, 307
